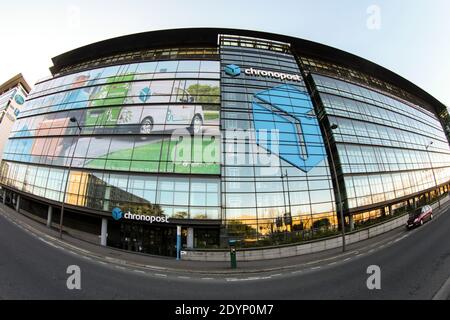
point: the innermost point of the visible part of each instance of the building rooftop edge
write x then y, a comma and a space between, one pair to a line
186, 37
12, 82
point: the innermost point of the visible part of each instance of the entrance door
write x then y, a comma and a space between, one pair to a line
148, 239
160, 241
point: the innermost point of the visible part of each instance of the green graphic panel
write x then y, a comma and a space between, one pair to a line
200, 155
113, 93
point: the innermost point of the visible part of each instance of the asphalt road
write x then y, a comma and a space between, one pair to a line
413, 266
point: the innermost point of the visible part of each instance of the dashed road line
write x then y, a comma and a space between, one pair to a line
231, 279
139, 271
160, 275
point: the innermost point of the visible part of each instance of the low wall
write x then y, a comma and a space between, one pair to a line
253, 254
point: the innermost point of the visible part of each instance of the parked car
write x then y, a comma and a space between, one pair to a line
419, 216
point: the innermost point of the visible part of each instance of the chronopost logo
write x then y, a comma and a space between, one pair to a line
117, 214
234, 71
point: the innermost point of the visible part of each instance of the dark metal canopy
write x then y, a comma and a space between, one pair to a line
208, 37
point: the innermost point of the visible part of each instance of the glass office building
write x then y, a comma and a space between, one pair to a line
229, 134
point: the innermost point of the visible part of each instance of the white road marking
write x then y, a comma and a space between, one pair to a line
139, 271
50, 244
401, 238
160, 275
231, 279
154, 267
183, 277
347, 259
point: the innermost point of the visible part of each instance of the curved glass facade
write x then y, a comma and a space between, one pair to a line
228, 142
134, 118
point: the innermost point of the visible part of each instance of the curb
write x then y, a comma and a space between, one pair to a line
444, 292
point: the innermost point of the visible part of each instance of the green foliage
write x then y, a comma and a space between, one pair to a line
322, 224
204, 93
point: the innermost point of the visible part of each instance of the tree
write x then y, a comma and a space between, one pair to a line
204, 93
322, 224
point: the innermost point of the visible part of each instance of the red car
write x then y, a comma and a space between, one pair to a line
419, 217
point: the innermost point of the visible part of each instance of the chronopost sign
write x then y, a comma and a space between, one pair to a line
117, 214
234, 70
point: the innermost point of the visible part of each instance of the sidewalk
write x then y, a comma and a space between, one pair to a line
128, 258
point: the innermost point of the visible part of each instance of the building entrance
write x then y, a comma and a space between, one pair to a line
160, 239
149, 239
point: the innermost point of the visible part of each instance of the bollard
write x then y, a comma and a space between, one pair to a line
232, 244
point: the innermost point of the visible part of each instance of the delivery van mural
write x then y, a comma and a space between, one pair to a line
112, 93
156, 118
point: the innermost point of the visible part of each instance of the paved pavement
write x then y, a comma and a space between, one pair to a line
414, 265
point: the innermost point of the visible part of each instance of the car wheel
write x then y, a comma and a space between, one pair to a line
196, 124
431, 217
146, 126
421, 222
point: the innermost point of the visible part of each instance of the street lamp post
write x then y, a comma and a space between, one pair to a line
287, 213
72, 119
341, 212
432, 169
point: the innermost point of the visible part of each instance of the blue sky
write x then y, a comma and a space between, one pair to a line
412, 39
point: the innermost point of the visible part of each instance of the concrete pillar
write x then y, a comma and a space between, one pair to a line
4, 196
18, 203
104, 234
351, 222
49, 216
190, 238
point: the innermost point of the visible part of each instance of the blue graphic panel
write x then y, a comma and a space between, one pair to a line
290, 111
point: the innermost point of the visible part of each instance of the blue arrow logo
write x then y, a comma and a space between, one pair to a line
144, 94
289, 111
232, 70
117, 214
